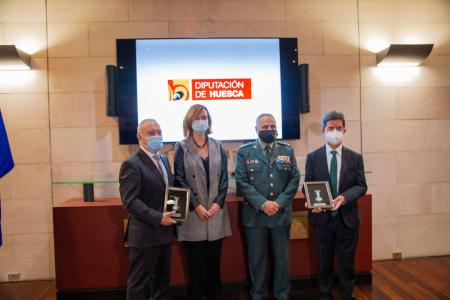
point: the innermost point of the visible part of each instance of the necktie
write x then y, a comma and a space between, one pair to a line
333, 178
268, 151
161, 168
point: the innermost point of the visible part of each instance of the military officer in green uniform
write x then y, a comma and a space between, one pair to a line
267, 176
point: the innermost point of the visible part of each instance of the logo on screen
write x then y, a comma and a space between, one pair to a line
222, 89
178, 89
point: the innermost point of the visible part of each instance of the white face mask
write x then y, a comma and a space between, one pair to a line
334, 137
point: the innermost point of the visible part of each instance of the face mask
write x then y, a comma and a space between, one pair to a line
154, 143
267, 136
200, 126
334, 137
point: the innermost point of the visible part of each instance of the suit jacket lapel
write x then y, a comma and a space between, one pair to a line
260, 152
167, 166
192, 148
149, 162
343, 166
275, 151
324, 163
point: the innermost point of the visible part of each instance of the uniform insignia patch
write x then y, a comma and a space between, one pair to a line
285, 159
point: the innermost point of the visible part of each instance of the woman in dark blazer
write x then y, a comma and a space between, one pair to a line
201, 165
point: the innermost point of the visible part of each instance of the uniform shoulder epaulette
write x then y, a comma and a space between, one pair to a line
246, 145
284, 144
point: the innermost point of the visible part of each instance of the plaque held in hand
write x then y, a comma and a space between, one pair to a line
318, 194
177, 200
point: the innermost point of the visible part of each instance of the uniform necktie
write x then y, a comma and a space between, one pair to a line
268, 151
161, 168
333, 178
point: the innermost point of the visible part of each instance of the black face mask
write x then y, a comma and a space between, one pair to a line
267, 136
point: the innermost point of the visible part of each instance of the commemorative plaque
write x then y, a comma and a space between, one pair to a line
318, 194
177, 200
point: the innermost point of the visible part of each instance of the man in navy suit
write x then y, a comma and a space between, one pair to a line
143, 180
336, 229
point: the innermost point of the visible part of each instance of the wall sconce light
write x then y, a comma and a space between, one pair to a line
13, 59
403, 55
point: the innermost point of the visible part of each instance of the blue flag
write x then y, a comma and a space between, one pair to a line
6, 161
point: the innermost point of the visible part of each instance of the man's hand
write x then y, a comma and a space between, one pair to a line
166, 219
202, 213
214, 209
315, 210
340, 200
270, 208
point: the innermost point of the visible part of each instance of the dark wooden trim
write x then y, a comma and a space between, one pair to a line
181, 290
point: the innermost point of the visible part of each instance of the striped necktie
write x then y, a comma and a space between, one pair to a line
161, 168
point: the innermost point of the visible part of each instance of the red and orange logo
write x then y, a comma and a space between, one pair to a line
210, 89
178, 89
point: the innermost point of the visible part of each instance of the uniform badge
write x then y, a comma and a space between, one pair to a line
251, 161
284, 159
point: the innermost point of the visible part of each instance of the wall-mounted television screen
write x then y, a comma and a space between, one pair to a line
235, 78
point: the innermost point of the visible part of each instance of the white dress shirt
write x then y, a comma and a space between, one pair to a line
338, 158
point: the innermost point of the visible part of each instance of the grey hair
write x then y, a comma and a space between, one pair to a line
332, 115
145, 121
262, 116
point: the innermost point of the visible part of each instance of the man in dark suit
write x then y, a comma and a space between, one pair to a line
143, 180
337, 228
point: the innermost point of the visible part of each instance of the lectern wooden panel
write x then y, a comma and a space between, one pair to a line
90, 254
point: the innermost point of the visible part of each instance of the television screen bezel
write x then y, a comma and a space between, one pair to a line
127, 87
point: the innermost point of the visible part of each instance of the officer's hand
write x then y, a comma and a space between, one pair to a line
270, 208
202, 213
166, 219
340, 200
214, 209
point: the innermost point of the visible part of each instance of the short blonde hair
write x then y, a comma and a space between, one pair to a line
193, 112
